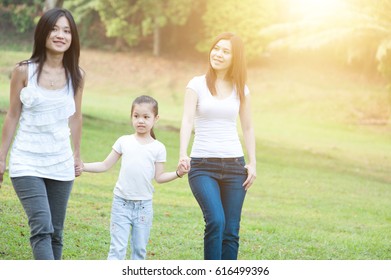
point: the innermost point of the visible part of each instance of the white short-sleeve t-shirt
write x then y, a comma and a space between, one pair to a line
215, 126
137, 167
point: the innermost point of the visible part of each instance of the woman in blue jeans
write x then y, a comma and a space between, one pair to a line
219, 177
45, 109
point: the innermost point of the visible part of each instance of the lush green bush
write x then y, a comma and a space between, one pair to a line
19, 16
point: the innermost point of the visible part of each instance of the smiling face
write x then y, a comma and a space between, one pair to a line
143, 118
221, 56
60, 38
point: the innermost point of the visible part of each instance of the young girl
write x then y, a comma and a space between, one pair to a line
143, 159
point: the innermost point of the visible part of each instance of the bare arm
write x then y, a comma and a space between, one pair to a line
102, 166
249, 141
163, 177
18, 81
189, 109
75, 124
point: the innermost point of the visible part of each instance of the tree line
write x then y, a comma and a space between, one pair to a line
360, 35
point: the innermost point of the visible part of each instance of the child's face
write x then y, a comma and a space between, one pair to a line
143, 118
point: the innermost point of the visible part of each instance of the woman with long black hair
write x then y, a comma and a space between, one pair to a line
44, 110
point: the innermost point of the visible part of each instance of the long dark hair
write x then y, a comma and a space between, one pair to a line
237, 72
149, 100
71, 56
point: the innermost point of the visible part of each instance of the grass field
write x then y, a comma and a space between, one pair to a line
323, 189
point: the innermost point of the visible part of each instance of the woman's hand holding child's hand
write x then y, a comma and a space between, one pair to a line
78, 167
183, 168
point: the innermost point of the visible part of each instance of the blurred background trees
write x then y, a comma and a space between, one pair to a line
356, 33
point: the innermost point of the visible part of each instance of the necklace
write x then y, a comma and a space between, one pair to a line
53, 76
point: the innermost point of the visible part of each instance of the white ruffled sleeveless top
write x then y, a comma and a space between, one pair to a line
42, 145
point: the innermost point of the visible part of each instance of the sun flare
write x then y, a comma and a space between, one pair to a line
314, 7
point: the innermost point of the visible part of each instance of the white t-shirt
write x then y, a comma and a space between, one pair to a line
137, 167
215, 126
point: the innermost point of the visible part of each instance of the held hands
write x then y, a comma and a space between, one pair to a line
183, 167
78, 167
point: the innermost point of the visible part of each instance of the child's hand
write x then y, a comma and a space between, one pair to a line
185, 160
186, 168
182, 168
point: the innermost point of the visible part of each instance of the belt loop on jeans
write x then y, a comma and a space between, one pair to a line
222, 159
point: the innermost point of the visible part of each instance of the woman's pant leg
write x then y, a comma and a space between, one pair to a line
217, 186
207, 193
33, 194
58, 195
232, 195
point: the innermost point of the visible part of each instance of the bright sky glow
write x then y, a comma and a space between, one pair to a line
313, 7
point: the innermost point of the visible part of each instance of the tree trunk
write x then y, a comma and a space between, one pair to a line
156, 40
50, 4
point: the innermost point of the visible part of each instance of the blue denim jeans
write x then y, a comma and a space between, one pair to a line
45, 203
130, 217
216, 184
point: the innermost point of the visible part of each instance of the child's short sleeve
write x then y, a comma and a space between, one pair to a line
161, 155
118, 145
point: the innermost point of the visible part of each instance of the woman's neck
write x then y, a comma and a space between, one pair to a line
54, 60
220, 75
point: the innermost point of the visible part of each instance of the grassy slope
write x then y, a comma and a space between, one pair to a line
323, 187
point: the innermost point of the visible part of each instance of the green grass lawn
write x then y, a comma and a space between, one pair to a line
323, 189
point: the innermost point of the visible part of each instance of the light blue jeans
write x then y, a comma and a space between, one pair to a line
130, 218
45, 203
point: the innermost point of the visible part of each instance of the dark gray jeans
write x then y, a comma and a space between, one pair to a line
45, 203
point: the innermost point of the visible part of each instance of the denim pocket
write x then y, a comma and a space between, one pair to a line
145, 215
237, 167
240, 162
197, 162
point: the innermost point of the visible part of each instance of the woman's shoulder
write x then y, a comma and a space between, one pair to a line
22, 67
196, 82
82, 73
199, 78
20, 70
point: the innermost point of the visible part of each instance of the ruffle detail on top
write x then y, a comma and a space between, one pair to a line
30, 96
50, 112
42, 161
43, 166
43, 143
